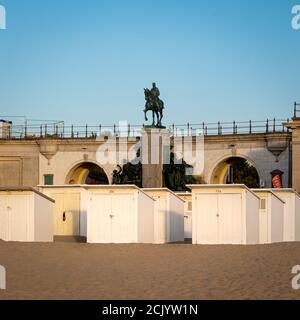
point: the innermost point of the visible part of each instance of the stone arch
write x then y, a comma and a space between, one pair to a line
86, 172
220, 170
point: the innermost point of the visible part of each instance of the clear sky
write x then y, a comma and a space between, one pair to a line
87, 61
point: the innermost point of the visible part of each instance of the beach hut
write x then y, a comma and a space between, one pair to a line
169, 215
291, 221
26, 215
70, 209
224, 214
120, 214
187, 198
271, 211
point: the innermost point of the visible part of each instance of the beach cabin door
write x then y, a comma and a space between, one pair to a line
219, 219
67, 214
113, 218
263, 221
14, 212
188, 220
207, 229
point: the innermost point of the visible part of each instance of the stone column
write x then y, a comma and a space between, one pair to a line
295, 127
154, 142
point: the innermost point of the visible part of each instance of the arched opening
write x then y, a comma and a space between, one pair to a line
236, 170
87, 173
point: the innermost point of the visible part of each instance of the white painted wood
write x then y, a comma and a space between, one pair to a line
187, 198
205, 219
73, 200
66, 213
271, 216
291, 224
264, 233
224, 214
169, 215
118, 215
108, 214
25, 215
144, 218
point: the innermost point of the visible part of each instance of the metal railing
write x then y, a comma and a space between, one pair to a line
296, 111
61, 131
232, 128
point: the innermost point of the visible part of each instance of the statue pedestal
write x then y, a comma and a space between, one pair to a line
155, 149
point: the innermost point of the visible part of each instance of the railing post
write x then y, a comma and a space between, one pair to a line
86, 130
250, 127
45, 130
295, 109
56, 130
206, 130
188, 129
234, 127
274, 125
219, 128
203, 127
128, 135
100, 130
72, 131
25, 130
41, 131
114, 129
267, 126
173, 129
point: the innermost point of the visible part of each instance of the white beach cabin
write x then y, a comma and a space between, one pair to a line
70, 209
103, 213
271, 211
26, 215
120, 214
291, 224
225, 214
169, 215
187, 198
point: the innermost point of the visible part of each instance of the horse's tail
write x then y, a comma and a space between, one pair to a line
161, 104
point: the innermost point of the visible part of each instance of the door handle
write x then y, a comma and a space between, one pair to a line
64, 216
218, 215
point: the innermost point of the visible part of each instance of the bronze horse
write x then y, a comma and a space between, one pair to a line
154, 105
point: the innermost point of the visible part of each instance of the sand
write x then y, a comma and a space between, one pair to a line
67, 270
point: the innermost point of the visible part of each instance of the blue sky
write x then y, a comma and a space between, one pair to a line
87, 61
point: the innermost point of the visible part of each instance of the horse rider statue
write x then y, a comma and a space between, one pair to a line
154, 104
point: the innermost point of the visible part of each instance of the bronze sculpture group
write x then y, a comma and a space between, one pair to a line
174, 175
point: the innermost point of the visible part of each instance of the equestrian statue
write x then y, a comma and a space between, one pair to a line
154, 104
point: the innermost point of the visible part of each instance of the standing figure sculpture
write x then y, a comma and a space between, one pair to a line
154, 104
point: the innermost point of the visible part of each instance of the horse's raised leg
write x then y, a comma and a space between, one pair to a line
145, 111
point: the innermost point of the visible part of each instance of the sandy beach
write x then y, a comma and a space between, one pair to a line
68, 270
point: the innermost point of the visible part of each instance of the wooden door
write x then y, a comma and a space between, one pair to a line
66, 214
206, 219
230, 218
101, 218
18, 207
122, 220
